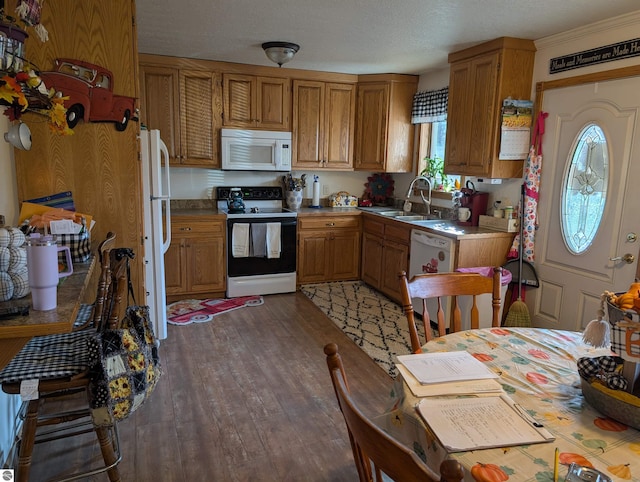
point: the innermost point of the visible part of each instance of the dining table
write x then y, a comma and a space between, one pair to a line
17, 329
537, 368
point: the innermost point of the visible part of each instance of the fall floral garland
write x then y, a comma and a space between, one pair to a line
17, 89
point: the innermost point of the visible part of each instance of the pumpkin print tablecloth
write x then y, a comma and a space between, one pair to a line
538, 370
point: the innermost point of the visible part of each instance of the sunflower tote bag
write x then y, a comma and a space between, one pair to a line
125, 368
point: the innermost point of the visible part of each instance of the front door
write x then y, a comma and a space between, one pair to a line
574, 272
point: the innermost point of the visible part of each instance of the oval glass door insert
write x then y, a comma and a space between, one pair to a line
584, 191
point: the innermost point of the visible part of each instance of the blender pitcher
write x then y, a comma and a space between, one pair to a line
42, 266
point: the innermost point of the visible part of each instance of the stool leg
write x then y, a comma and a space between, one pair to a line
29, 427
108, 453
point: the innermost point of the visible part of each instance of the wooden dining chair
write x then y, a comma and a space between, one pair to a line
89, 314
374, 451
61, 364
440, 286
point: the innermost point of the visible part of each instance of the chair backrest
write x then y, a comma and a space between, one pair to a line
439, 286
374, 451
105, 272
111, 302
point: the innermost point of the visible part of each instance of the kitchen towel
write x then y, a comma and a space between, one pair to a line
258, 240
240, 240
273, 240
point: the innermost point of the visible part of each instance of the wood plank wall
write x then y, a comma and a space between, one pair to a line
98, 164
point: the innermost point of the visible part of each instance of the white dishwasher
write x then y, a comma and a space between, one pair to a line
430, 253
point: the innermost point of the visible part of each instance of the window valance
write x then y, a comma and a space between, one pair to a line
430, 106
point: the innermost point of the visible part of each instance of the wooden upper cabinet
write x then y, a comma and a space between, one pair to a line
384, 133
200, 118
160, 105
481, 78
323, 124
373, 100
257, 102
186, 106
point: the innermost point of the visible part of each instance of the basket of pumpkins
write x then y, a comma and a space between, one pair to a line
611, 384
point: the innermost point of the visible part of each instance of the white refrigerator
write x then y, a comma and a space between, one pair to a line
156, 199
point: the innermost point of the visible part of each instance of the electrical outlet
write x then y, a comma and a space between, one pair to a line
326, 190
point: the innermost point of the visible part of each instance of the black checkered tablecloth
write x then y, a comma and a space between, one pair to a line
50, 356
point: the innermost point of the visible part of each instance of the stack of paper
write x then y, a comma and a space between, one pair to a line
480, 422
446, 367
482, 387
488, 418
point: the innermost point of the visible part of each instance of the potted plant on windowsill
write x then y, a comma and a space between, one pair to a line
434, 170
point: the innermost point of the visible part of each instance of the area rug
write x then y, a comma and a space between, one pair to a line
185, 312
374, 322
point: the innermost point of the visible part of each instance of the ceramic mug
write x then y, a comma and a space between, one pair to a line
464, 214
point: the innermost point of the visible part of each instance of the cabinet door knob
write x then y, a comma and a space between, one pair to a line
185, 229
330, 224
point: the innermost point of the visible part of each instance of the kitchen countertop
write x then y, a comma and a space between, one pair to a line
197, 212
443, 227
16, 331
328, 211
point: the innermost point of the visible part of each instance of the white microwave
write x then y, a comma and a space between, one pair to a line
252, 150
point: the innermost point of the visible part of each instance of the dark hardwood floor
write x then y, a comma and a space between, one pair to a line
244, 397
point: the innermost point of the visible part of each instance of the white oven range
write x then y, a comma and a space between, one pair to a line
255, 270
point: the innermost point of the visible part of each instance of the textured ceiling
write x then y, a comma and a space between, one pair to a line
355, 36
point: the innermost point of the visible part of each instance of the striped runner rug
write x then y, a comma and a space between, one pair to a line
374, 322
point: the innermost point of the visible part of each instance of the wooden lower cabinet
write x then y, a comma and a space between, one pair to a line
385, 252
328, 248
195, 262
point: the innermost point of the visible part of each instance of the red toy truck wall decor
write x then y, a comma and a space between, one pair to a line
89, 88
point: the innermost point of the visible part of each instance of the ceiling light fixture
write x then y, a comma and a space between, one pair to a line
280, 52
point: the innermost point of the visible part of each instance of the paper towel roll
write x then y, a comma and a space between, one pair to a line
316, 194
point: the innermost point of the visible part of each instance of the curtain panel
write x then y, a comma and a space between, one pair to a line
430, 106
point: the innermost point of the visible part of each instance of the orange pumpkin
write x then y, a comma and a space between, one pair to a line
566, 458
483, 357
542, 355
609, 425
537, 378
488, 473
500, 331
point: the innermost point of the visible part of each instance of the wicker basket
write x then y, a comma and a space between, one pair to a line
623, 411
617, 404
619, 343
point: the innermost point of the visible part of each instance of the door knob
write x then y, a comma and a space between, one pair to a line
627, 258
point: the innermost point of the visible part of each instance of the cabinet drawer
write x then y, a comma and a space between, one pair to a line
398, 233
317, 222
374, 227
183, 227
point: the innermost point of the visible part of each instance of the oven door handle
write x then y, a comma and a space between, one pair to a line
292, 222
288, 222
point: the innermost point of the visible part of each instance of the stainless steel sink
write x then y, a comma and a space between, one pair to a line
418, 217
410, 217
405, 216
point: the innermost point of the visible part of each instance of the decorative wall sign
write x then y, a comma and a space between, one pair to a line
617, 51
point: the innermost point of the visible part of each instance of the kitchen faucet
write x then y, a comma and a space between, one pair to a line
426, 202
